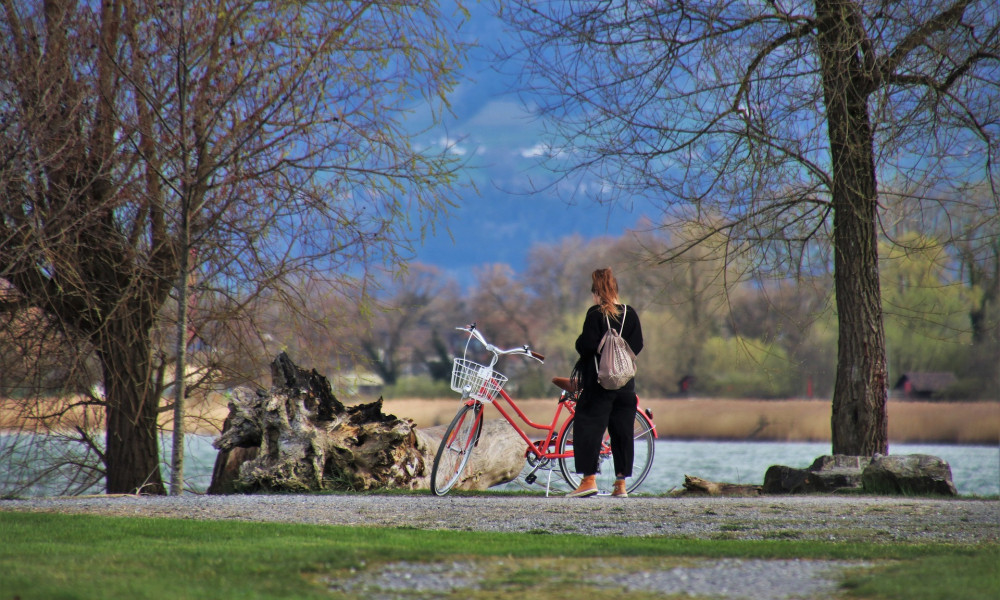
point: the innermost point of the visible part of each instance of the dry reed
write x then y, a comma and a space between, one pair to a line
688, 419
763, 420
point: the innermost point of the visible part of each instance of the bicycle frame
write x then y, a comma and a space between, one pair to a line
539, 447
533, 446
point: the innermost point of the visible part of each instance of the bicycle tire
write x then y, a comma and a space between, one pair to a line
456, 447
645, 449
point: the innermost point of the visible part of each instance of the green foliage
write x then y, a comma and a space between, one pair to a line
417, 386
666, 356
817, 355
926, 313
741, 367
558, 341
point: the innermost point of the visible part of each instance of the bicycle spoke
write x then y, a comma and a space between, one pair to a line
456, 448
645, 448
643, 444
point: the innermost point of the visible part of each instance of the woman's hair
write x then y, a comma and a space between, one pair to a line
606, 287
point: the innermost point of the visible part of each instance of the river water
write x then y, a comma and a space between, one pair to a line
975, 469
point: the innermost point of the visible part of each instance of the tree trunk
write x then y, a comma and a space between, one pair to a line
859, 422
132, 443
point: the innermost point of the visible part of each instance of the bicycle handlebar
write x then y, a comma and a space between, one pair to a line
523, 350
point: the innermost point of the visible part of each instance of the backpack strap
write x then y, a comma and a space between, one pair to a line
621, 329
600, 346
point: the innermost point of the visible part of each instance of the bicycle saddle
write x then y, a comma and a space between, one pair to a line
565, 383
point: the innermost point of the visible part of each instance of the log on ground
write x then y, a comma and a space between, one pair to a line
703, 487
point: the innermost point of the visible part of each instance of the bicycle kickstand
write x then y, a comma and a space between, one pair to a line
548, 484
531, 477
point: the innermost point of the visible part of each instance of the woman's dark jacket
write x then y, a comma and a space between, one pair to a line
594, 326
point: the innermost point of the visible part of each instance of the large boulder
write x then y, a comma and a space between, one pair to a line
895, 474
826, 474
918, 474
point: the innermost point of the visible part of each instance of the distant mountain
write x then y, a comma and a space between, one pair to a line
501, 228
501, 140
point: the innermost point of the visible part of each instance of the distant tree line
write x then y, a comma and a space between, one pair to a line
714, 324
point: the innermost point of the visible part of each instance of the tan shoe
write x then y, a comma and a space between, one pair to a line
619, 491
588, 487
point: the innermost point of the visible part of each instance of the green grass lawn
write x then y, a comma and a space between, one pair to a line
55, 556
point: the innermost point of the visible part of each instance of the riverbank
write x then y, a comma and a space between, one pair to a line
793, 420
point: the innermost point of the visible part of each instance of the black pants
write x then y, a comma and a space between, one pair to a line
596, 412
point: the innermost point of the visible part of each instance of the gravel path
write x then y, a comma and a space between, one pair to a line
768, 517
840, 518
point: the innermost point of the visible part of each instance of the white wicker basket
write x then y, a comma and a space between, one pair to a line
483, 382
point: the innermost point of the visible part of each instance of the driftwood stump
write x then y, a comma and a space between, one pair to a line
297, 437
703, 487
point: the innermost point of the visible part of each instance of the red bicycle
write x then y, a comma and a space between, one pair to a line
482, 384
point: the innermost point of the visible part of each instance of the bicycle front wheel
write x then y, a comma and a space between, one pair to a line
456, 448
642, 435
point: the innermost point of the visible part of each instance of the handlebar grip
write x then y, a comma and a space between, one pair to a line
536, 355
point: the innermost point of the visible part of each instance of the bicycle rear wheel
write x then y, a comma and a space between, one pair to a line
456, 448
642, 434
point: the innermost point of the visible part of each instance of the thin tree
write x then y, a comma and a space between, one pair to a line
264, 139
773, 122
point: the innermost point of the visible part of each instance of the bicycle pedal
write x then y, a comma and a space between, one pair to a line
531, 479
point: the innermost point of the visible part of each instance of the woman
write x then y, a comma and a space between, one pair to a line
599, 409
